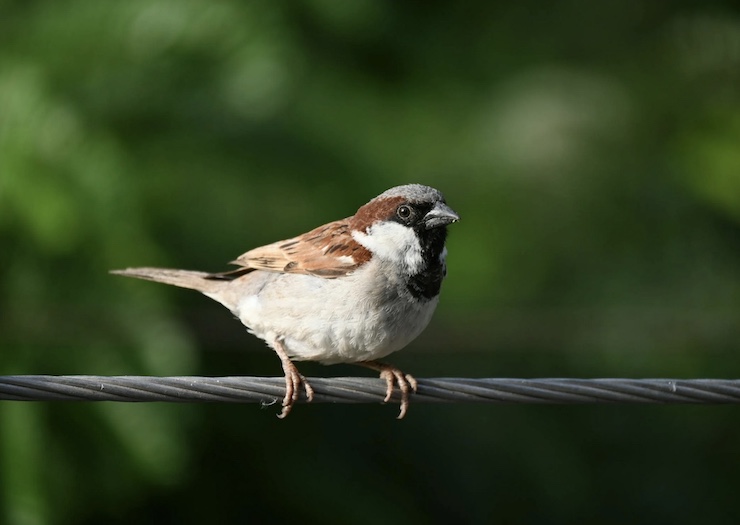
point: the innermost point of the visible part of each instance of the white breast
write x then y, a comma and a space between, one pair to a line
362, 316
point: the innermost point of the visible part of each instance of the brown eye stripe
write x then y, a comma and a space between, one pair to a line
374, 211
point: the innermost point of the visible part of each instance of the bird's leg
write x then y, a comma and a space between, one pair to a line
293, 379
392, 375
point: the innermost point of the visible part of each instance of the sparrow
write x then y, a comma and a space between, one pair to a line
351, 291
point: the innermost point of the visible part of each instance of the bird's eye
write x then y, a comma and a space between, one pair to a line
404, 212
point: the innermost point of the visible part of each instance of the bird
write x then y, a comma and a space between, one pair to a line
350, 291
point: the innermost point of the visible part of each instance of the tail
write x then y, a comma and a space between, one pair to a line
183, 278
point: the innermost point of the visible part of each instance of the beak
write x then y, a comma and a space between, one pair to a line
440, 215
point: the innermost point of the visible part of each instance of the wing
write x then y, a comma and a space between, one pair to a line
328, 251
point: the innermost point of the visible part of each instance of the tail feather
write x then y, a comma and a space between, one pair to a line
183, 278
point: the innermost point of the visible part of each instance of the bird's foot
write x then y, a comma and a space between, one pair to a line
293, 381
393, 376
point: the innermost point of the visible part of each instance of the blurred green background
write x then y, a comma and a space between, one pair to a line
591, 148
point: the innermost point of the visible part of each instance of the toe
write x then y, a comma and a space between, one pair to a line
412, 382
309, 390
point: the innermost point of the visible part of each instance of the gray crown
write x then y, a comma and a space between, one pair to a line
415, 193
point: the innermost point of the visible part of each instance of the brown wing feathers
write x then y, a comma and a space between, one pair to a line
327, 251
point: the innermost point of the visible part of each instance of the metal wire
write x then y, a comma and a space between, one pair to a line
268, 390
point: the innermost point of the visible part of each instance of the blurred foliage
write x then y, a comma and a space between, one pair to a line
591, 148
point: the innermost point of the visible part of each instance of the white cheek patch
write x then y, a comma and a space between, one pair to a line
393, 242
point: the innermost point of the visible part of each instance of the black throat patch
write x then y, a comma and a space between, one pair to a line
427, 283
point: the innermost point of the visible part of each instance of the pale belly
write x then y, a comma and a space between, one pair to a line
341, 320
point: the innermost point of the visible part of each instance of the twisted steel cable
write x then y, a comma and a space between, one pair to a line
268, 390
